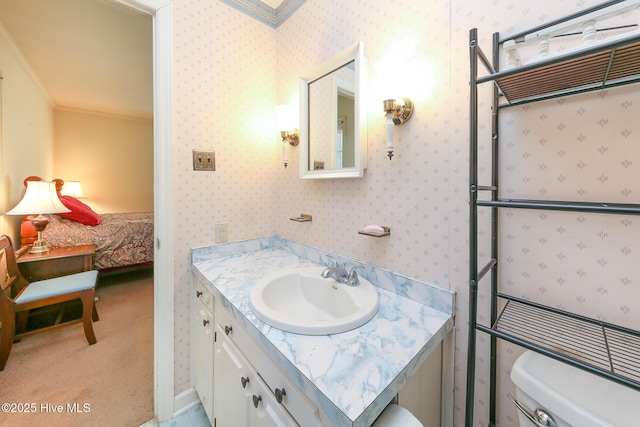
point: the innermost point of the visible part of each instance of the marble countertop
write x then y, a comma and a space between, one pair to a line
351, 376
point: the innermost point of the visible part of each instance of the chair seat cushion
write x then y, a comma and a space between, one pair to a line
58, 286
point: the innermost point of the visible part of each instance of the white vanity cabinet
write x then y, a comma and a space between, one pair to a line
203, 343
345, 392
242, 398
249, 389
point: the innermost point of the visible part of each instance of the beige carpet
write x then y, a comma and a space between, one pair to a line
64, 381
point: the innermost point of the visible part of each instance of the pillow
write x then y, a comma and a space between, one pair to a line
79, 211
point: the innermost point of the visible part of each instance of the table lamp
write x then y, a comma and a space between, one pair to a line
40, 198
73, 189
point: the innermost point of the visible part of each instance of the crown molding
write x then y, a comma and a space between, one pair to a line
265, 13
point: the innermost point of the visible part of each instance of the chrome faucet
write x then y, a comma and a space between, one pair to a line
335, 272
340, 274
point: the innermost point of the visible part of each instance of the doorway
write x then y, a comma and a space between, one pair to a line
161, 11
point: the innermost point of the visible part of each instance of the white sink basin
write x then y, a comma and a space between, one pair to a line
300, 301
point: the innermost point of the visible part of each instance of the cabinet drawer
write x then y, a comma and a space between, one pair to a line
267, 411
295, 402
205, 296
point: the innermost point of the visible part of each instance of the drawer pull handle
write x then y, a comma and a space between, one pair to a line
280, 394
227, 330
244, 381
205, 322
198, 294
256, 400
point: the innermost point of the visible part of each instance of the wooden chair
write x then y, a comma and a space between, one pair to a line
18, 297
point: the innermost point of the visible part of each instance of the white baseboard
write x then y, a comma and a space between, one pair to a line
184, 401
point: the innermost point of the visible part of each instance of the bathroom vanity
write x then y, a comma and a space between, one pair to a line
258, 375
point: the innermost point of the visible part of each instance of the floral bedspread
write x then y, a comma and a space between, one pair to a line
122, 239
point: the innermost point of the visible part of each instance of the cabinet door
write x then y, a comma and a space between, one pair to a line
203, 357
266, 411
233, 385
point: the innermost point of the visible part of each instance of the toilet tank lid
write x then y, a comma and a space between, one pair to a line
577, 396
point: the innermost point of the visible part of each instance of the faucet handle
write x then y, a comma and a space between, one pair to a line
333, 261
353, 280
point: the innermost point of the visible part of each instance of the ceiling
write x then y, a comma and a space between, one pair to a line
88, 54
96, 55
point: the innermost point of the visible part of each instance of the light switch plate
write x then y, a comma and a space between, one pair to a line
204, 160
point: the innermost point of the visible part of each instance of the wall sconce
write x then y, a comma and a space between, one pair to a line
288, 131
397, 112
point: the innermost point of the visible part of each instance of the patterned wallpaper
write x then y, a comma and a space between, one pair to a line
224, 99
230, 72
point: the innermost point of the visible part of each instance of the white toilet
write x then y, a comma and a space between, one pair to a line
396, 416
572, 396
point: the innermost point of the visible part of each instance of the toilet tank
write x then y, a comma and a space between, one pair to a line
571, 396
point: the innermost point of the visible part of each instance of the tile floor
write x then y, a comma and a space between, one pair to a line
194, 417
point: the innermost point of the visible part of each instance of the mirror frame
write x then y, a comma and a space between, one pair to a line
354, 53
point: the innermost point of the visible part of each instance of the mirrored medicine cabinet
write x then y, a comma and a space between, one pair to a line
333, 117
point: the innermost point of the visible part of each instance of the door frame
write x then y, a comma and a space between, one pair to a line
163, 272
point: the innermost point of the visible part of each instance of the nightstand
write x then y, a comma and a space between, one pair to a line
57, 262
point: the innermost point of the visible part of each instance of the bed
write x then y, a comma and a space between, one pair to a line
123, 240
